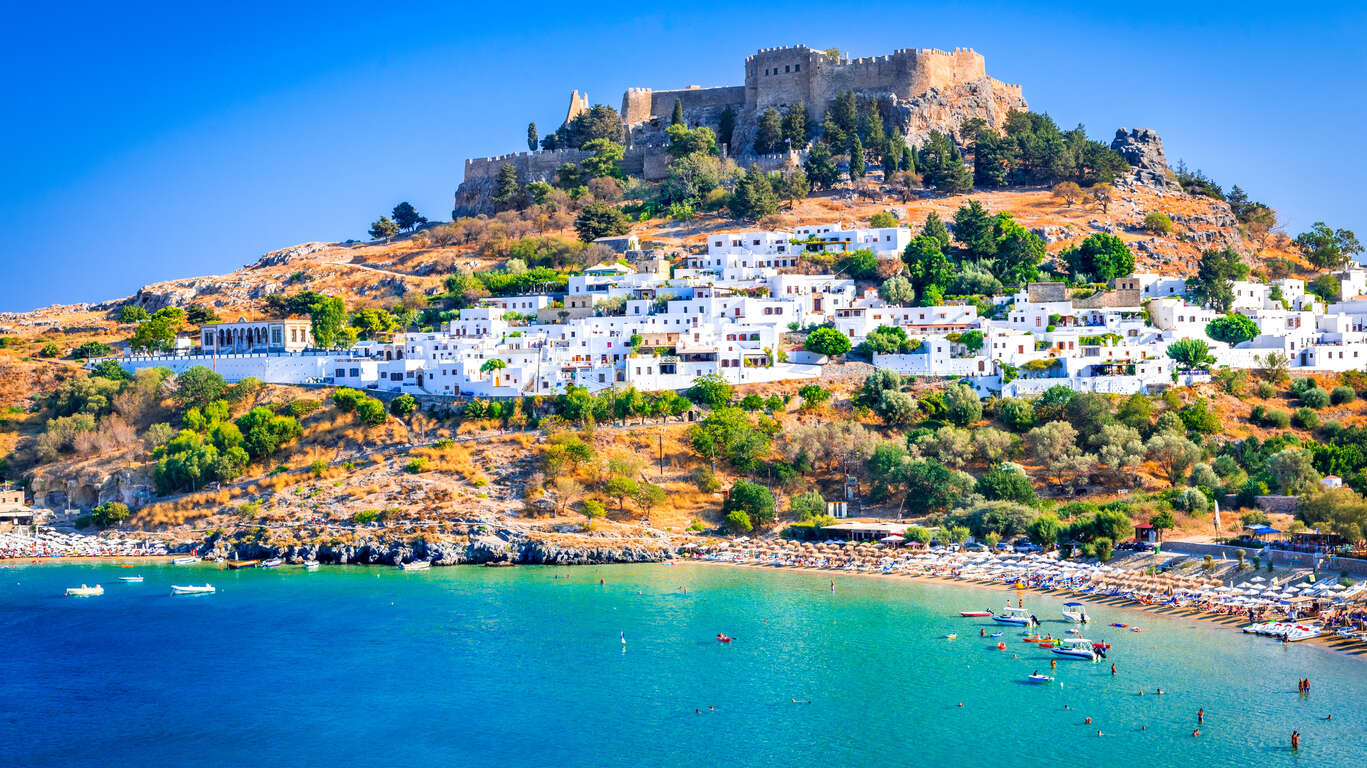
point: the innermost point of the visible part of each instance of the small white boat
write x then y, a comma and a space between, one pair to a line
1019, 617
1039, 679
1075, 613
310, 565
274, 562
131, 579
951, 635
206, 589
84, 591
184, 561
416, 565
1076, 648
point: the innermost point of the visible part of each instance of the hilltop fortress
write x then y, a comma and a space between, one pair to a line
921, 89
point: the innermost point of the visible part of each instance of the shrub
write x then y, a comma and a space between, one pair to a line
1189, 500
1342, 394
1265, 389
403, 406
415, 465
92, 349
1315, 398
756, 501
301, 407
318, 467
706, 480
1306, 418
1158, 223
50, 349
109, 513
1331, 429
366, 516
737, 521
1276, 418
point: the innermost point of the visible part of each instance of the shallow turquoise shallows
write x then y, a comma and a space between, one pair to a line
526, 666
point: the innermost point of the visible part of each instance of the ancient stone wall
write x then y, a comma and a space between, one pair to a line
530, 165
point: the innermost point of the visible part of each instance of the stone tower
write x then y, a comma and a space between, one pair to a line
578, 105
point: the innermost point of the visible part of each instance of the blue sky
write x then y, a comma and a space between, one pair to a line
149, 141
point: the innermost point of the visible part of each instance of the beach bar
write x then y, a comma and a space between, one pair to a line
856, 531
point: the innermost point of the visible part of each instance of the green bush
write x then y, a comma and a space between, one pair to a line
1315, 398
415, 465
1306, 418
1342, 394
366, 516
737, 521
1265, 389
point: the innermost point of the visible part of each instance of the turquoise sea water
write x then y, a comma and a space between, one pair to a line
523, 666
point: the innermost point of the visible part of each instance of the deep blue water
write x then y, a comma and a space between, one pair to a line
524, 666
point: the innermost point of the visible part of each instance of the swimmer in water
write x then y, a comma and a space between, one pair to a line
1196, 732
1200, 716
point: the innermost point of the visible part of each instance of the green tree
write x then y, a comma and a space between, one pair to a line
407, 217
403, 406
1232, 329
942, 165
606, 160
599, 122
373, 322
807, 506
50, 349
1191, 354
371, 412
531, 137
962, 405
329, 316
198, 387
927, 265
1327, 248
710, 390
264, 432
383, 228
793, 185
936, 228
597, 220
1006, 485
897, 291
1101, 256
738, 522
821, 167
974, 230
108, 514
1326, 287
930, 487
754, 196
795, 125
1018, 251
677, 117
158, 333
751, 498
827, 341
132, 313
697, 141
856, 159
1212, 285
726, 125
769, 132
508, 192
620, 488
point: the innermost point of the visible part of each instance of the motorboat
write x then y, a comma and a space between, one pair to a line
1078, 648
951, 635
84, 591
1019, 617
274, 562
416, 565
1075, 613
131, 579
206, 589
1039, 679
975, 614
310, 565
184, 560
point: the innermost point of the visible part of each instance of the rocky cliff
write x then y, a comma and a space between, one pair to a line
1143, 149
493, 546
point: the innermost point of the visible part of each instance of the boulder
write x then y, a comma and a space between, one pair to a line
1142, 148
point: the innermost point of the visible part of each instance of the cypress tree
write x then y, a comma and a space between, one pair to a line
769, 134
908, 159
795, 125
856, 159
677, 118
531, 136
821, 168
726, 126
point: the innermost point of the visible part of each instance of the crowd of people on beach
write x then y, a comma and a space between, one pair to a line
30, 543
1331, 605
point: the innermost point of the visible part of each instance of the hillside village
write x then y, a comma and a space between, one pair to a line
886, 332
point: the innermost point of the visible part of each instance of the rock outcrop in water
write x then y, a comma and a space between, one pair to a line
500, 546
